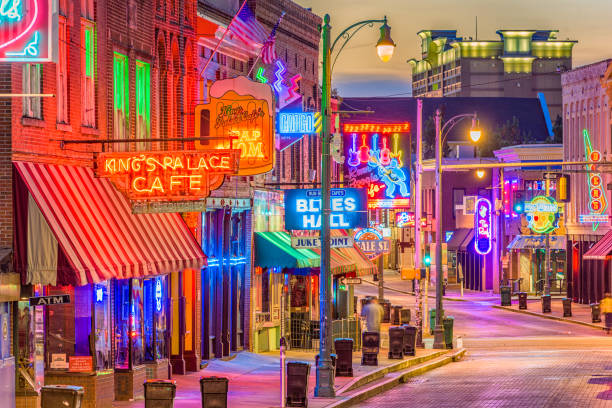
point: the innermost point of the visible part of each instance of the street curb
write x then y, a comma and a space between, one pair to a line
383, 371
551, 317
412, 293
400, 379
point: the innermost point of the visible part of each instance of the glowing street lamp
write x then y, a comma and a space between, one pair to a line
385, 45
480, 173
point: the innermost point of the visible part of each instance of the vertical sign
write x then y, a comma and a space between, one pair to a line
482, 226
597, 196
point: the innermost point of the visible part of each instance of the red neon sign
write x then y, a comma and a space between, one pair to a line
26, 31
376, 127
166, 175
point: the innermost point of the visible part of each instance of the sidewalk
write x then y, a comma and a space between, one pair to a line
254, 379
581, 314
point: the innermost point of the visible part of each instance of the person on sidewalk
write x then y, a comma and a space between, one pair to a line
606, 308
372, 312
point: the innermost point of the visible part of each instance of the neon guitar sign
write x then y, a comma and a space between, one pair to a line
26, 31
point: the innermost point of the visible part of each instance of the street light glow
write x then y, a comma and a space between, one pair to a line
385, 45
480, 173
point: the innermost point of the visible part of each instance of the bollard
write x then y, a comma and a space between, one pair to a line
344, 359
297, 384
159, 393
283, 374
522, 296
595, 313
214, 392
506, 295
567, 307
65, 396
370, 347
546, 304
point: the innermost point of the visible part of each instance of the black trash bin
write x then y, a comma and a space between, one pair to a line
595, 313
506, 295
546, 304
397, 311
405, 316
410, 337
522, 296
567, 307
344, 361
64, 396
370, 345
448, 323
298, 373
396, 342
214, 392
159, 393
386, 311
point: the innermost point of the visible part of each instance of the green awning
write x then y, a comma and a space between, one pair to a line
273, 249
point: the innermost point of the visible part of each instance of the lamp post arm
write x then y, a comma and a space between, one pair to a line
452, 122
347, 34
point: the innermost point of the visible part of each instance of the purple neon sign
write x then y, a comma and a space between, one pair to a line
482, 226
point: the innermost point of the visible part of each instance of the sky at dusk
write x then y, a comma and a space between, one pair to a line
359, 72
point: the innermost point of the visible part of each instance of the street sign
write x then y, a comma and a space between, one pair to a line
49, 300
551, 176
349, 208
350, 281
315, 242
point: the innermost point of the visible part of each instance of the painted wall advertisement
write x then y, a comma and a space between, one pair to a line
377, 159
303, 208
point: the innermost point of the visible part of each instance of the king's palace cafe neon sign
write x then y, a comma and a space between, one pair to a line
168, 176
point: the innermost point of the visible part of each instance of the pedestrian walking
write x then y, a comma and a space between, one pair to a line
606, 308
372, 312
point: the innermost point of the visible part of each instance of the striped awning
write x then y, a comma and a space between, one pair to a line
274, 250
95, 230
363, 265
601, 250
340, 262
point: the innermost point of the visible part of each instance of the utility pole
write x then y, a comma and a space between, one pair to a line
439, 329
381, 288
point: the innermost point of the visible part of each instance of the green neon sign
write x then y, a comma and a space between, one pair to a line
542, 214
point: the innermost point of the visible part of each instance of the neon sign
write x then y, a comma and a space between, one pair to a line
166, 175
542, 213
375, 161
482, 226
158, 294
404, 219
296, 122
598, 203
239, 116
371, 242
26, 31
377, 127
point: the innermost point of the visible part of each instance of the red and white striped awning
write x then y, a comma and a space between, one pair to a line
96, 230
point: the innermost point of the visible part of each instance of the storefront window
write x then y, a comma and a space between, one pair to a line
122, 322
102, 325
155, 318
136, 323
82, 319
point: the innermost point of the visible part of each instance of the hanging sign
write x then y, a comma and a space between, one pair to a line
49, 300
239, 116
542, 214
375, 160
293, 125
315, 242
303, 209
170, 176
371, 242
28, 31
404, 219
598, 204
482, 226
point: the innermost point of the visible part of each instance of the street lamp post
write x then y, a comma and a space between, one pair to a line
439, 342
385, 48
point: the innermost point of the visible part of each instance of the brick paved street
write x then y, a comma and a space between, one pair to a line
513, 360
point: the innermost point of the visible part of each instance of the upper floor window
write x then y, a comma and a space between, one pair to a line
87, 9
62, 72
143, 103
32, 78
121, 91
88, 67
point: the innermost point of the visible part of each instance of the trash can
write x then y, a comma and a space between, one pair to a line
386, 311
506, 295
595, 313
567, 307
546, 304
397, 310
65, 396
432, 320
522, 296
405, 316
370, 345
298, 373
344, 361
448, 323
396, 342
159, 393
410, 337
214, 392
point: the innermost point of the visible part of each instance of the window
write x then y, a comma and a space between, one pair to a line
102, 321
87, 9
154, 321
32, 74
121, 92
62, 73
143, 103
88, 58
128, 323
